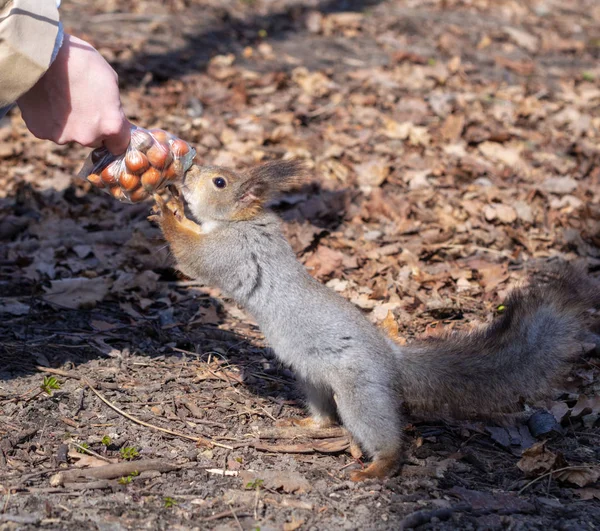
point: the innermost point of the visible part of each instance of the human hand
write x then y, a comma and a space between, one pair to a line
77, 100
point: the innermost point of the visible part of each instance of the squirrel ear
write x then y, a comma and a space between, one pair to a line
277, 176
253, 191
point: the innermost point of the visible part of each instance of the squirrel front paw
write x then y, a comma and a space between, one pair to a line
170, 216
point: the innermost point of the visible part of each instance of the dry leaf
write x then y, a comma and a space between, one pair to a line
580, 476
82, 460
75, 293
453, 127
372, 173
589, 494
331, 446
537, 460
296, 523
324, 261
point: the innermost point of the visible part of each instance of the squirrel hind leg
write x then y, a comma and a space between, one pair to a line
375, 423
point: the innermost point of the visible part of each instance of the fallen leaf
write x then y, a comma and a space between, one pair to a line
324, 261
332, 446
580, 476
372, 173
82, 460
523, 39
500, 153
80, 292
390, 326
12, 306
453, 127
537, 460
296, 523
589, 494
503, 213
560, 185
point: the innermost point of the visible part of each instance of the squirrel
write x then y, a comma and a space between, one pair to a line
349, 369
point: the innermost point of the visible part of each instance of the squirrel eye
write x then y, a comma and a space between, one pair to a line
219, 182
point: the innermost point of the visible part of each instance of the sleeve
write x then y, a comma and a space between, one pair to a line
30, 37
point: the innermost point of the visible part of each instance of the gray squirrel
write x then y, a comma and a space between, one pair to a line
349, 369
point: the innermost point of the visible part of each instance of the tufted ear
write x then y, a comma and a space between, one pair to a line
266, 181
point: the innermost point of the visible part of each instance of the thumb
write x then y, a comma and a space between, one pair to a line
117, 143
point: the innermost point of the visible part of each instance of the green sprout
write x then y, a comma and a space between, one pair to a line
169, 502
82, 448
50, 383
125, 480
129, 452
106, 440
587, 76
256, 484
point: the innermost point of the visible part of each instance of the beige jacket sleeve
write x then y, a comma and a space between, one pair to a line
29, 30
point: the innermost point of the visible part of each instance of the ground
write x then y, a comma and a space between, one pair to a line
453, 146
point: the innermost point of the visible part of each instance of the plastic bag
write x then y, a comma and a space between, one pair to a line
153, 159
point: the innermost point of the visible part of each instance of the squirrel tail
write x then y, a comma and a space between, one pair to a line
520, 355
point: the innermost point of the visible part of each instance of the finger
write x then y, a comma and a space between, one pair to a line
159, 201
118, 142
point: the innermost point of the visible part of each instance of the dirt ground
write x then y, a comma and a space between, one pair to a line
454, 146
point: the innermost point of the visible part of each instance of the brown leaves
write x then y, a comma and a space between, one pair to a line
538, 460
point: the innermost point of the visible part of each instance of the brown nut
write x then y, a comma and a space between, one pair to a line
141, 140
139, 195
118, 193
109, 174
136, 161
151, 179
180, 148
159, 156
174, 171
129, 181
96, 180
160, 135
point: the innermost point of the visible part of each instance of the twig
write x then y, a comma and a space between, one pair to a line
221, 472
552, 472
112, 471
198, 440
235, 516
224, 514
295, 432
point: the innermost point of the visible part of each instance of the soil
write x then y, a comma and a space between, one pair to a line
453, 147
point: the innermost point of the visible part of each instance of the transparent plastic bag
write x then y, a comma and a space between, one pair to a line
153, 159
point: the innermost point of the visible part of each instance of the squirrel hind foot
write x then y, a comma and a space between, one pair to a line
380, 468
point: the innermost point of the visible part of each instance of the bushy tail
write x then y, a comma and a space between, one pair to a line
519, 355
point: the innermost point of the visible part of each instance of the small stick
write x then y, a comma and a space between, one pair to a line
198, 440
112, 471
235, 516
552, 472
224, 514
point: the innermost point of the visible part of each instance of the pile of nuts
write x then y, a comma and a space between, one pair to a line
153, 159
